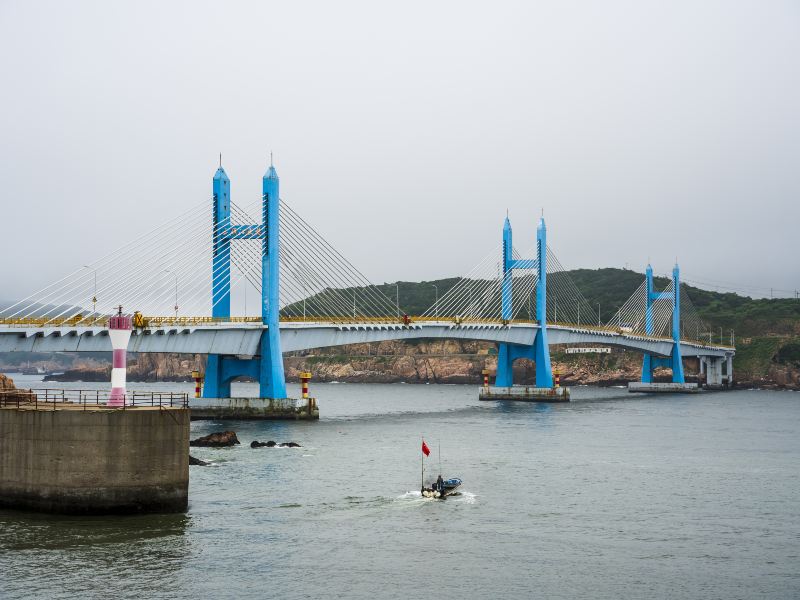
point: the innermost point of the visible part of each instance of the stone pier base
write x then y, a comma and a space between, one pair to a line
662, 388
254, 408
524, 394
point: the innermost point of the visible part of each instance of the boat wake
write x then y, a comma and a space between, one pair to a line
416, 497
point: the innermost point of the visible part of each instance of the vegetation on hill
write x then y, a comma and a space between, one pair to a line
766, 331
612, 287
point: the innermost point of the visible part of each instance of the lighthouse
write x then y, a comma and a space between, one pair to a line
119, 330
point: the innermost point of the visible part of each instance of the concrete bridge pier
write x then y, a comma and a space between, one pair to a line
713, 372
718, 377
729, 369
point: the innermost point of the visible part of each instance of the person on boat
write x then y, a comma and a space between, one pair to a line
440, 484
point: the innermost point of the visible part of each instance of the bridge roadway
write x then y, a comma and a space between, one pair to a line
242, 339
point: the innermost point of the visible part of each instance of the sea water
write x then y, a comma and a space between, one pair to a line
610, 496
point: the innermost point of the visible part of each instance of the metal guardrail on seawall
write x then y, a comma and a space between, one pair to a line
45, 399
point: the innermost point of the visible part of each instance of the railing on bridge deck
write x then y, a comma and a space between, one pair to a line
171, 321
52, 399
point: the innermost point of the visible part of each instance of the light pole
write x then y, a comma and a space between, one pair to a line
598, 314
397, 298
436, 304
176, 290
94, 294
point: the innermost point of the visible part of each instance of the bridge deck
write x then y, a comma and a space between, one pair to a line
242, 338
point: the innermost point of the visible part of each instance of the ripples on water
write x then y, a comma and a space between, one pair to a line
610, 496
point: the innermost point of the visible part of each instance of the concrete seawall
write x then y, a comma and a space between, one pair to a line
94, 461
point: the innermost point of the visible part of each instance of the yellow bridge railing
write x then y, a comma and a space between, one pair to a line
146, 322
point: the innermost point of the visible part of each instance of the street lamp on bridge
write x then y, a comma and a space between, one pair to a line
436, 304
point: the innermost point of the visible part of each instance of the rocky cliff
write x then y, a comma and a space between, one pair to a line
6, 383
9, 393
425, 364
141, 367
451, 361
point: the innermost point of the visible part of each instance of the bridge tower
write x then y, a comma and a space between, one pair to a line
267, 368
271, 379
539, 352
675, 361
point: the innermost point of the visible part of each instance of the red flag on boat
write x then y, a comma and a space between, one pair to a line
425, 450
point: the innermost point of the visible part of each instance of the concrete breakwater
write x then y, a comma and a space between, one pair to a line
90, 459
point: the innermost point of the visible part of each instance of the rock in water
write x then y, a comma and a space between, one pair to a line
217, 440
271, 444
257, 444
197, 461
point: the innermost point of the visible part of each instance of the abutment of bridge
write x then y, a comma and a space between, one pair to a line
94, 460
713, 367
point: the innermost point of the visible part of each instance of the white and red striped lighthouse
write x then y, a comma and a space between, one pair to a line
119, 330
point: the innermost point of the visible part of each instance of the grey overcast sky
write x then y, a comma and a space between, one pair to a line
404, 130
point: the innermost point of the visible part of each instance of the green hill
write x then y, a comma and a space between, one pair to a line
611, 287
767, 331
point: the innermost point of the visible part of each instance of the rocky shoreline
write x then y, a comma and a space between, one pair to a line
10, 393
426, 361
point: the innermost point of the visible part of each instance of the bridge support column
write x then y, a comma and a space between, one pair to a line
268, 368
675, 360
505, 365
541, 349
714, 372
215, 385
271, 377
539, 352
729, 369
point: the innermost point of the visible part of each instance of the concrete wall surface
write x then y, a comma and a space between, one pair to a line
95, 461
254, 409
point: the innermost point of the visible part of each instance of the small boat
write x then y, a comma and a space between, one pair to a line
441, 488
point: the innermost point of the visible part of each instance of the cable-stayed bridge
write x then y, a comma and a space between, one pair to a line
176, 283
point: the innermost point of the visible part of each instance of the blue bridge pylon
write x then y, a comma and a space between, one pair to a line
539, 352
267, 368
671, 295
